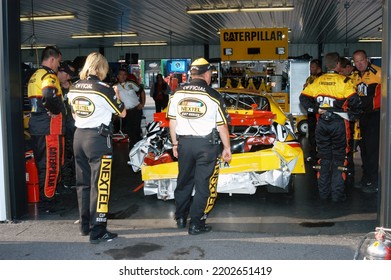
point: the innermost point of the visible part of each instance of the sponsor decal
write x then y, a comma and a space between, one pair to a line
213, 188
102, 207
325, 101
52, 164
191, 108
83, 107
250, 36
52, 167
83, 86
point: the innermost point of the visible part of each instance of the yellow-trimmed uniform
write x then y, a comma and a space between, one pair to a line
336, 94
312, 119
93, 103
198, 110
368, 87
47, 127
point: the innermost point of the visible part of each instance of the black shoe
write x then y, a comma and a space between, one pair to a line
181, 222
370, 188
106, 236
46, 207
198, 229
339, 199
85, 230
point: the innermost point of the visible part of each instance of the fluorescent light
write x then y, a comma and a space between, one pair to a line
137, 44
213, 11
369, 40
268, 9
29, 47
245, 10
47, 17
103, 35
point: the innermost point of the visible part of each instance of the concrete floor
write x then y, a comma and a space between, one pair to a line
259, 226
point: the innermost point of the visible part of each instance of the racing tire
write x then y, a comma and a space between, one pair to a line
302, 127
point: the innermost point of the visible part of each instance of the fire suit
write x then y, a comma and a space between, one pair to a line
47, 127
336, 95
369, 89
312, 120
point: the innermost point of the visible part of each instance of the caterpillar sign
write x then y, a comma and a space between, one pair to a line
254, 44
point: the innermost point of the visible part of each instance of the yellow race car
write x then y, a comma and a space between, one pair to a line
265, 150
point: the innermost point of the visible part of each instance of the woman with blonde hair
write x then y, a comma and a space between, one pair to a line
93, 103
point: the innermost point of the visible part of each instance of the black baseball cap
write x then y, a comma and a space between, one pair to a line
64, 67
199, 66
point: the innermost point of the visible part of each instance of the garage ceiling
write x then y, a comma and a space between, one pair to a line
312, 21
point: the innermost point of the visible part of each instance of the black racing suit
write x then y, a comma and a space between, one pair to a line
369, 89
47, 127
312, 119
335, 94
68, 169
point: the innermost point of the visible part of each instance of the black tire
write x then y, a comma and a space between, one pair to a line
302, 127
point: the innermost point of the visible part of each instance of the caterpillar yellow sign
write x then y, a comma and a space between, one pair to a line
254, 44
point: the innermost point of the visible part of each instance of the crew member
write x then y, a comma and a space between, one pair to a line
47, 125
93, 104
333, 96
347, 70
367, 79
65, 73
197, 116
312, 118
129, 91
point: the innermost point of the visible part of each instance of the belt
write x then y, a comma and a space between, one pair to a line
208, 136
128, 109
89, 128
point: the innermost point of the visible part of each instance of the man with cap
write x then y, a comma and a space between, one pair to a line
68, 178
198, 118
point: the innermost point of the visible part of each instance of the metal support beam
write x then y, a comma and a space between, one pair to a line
385, 124
13, 198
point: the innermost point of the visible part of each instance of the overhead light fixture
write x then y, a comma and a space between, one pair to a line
103, 35
212, 11
137, 44
370, 40
29, 47
47, 17
239, 9
268, 9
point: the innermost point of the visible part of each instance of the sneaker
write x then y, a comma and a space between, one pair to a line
198, 229
370, 188
106, 236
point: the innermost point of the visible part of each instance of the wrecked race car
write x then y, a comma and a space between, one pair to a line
265, 149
